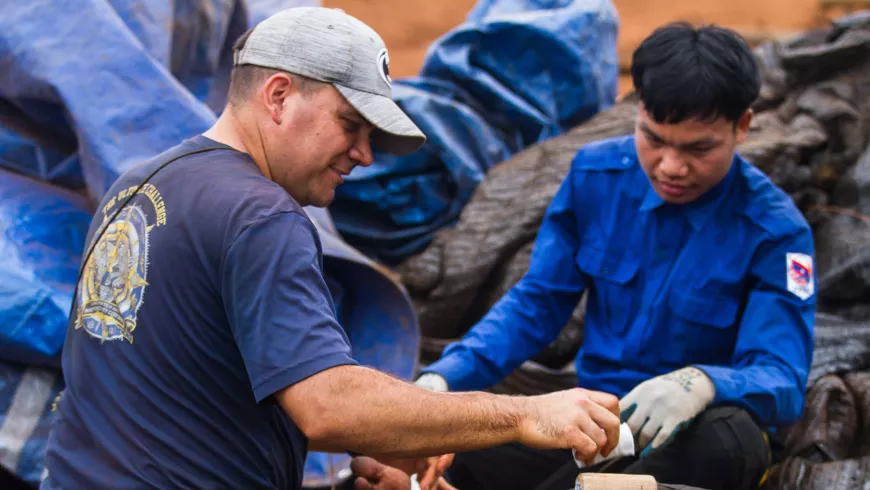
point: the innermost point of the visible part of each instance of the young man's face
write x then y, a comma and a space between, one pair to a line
683, 161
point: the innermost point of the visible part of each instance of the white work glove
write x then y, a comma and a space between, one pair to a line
432, 381
660, 407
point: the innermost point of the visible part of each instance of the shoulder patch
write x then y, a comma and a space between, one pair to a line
799, 274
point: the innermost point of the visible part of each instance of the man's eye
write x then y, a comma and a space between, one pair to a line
654, 141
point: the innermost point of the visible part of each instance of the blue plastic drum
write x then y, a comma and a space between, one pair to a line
376, 312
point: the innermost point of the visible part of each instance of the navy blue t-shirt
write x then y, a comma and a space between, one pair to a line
203, 298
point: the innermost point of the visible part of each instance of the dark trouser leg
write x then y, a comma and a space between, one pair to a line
506, 467
722, 449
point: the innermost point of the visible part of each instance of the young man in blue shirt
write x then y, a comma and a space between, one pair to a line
700, 278
203, 349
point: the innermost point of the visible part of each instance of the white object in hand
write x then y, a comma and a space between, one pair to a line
624, 448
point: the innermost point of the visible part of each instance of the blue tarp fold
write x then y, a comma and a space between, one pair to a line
42, 232
515, 73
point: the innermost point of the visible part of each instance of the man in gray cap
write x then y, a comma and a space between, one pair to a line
203, 349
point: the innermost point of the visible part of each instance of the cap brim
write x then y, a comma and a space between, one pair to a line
395, 132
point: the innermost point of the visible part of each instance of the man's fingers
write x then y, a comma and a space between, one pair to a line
362, 484
366, 467
609, 422
648, 433
430, 478
664, 434
637, 419
629, 400
444, 462
606, 400
589, 438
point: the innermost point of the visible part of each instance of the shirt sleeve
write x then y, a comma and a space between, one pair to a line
279, 307
774, 349
531, 314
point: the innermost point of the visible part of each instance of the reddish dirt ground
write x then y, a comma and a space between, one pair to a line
410, 26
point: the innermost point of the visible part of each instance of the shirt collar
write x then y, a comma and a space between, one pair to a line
700, 210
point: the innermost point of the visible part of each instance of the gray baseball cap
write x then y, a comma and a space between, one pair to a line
330, 46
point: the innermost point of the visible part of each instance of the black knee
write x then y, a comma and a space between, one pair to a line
723, 449
744, 442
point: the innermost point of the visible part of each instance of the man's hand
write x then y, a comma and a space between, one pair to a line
660, 407
375, 475
428, 470
586, 421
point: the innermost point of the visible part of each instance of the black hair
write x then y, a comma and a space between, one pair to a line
681, 72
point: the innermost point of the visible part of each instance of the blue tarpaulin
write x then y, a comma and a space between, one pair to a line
515, 73
43, 231
89, 88
27, 396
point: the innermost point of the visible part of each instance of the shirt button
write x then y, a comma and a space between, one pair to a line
626, 161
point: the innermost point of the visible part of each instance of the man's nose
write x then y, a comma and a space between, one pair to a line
361, 152
673, 166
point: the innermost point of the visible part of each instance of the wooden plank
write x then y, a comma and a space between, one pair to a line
610, 481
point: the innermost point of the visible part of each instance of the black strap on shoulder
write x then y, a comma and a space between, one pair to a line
105, 224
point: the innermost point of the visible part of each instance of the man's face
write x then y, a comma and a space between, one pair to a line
318, 139
683, 161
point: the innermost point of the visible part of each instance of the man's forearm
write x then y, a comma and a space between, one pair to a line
358, 409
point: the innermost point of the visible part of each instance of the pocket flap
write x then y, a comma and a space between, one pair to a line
703, 308
613, 265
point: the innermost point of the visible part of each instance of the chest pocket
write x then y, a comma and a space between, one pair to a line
611, 272
703, 326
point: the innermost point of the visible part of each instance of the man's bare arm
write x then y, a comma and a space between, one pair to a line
359, 409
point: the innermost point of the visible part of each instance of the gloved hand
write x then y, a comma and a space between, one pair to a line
658, 408
432, 381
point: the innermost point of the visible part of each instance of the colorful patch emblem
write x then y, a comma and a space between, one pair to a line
799, 274
114, 279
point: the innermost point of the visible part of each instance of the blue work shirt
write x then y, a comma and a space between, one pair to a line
725, 283
202, 299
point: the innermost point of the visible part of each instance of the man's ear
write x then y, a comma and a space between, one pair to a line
276, 92
742, 126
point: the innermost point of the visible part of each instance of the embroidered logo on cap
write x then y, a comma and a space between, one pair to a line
799, 274
384, 66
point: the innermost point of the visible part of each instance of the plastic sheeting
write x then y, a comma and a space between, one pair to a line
515, 73
27, 396
42, 233
78, 108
